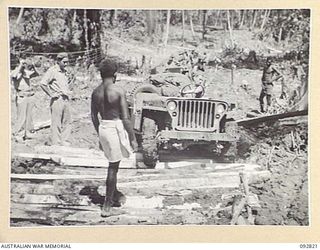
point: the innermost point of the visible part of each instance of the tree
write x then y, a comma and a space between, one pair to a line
20, 15
167, 30
265, 18
151, 21
204, 22
254, 18
183, 27
243, 14
189, 13
230, 28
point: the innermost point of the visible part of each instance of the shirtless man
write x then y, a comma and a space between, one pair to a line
115, 131
270, 74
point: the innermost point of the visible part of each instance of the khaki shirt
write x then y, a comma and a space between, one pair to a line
56, 82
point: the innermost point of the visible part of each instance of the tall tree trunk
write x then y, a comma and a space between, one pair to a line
231, 19
204, 21
265, 18
73, 24
149, 24
280, 34
115, 14
254, 17
69, 24
230, 28
183, 21
167, 30
74, 18
93, 17
243, 14
191, 24
111, 17
288, 38
217, 18
239, 16
199, 17
281, 26
20, 15
85, 28
151, 18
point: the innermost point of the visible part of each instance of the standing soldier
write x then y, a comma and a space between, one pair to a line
55, 84
270, 74
24, 100
115, 129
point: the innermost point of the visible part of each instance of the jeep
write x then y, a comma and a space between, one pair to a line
166, 122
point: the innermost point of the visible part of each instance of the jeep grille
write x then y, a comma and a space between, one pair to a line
196, 115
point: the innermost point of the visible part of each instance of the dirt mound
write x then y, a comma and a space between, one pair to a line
283, 150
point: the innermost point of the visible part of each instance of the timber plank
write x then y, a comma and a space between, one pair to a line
68, 151
96, 162
218, 180
214, 179
249, 121
78, 160
53, 157
31, 188
42, 124
60, 199
46, 177
35, 199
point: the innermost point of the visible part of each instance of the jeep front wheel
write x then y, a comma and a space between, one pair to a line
230, 150
149, 143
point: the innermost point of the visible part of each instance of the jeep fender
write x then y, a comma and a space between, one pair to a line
138, 103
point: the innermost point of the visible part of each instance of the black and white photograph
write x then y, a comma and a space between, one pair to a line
158, 117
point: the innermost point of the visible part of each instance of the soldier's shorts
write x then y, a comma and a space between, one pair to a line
114, 140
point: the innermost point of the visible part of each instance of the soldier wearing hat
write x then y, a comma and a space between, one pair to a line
269, 76
24, 91
115, 130
55, 84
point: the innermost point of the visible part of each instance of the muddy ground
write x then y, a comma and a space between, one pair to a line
280, 148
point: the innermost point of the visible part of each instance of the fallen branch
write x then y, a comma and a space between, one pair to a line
237, 211
244, 181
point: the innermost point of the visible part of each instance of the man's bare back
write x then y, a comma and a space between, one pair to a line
110, 102
107, 102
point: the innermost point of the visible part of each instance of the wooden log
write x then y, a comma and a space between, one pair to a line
42, 124
35, 214
121, 217
171, 165
237, 211
32, 188
241, 221
212, 180
59, 199
47, 207
35, 199
237, 167
220, 179
61, 214
53, 157
73, 201
250, 121
251, 114
244, 181
99, 162
46, 177
69, 151
48, 215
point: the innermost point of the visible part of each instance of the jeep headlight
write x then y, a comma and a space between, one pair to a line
171, 105
220, 108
